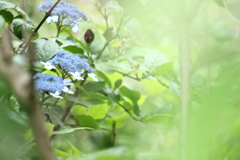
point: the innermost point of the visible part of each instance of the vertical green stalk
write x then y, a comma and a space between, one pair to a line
185, 68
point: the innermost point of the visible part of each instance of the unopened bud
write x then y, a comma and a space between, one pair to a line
136, 65
89, 36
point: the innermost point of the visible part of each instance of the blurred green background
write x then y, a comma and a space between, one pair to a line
214, 39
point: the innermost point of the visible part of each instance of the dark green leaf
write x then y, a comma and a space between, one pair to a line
134, 96
114, 98
117, 84
94, 86
86, 103
21, 28
8, 16
87, 121
65, 131
137, 110
45, 49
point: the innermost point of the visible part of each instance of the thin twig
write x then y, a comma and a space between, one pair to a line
111, 39
34, 32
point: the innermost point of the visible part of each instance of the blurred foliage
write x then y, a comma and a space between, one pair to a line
143, 101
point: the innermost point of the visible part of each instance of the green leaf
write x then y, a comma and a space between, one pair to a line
120, 120
81, 88
159, 110
57, 120
136, 110
75, 152
45, 49
6, 5
103, 2
98, 111
163, 69
87, 121
86, 103
115, 6
73, 49
134, 9
134, 96
21, 28
65, 131
117, 84
2, 23
94, 86
106, 67
8, 16
174, 88
156, 118
104, 77
155, 59
114, 98
61, 153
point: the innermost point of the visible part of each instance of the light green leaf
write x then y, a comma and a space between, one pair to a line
45, 49
94, 86
154, 60
61, 153
163, 69
65, 131
174, 88
75, 152
98, 111
115, 6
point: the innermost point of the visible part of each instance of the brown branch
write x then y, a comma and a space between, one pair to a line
68, 109
34, 32
22, 85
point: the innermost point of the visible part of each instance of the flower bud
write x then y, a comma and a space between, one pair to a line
136, 65
89, 36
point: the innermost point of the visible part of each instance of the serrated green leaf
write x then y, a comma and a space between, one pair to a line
8, 16
155, 59
87, 121
61, 153
98, 111
163, 69
134, 96
21, 28
65, 131
86, 103
45, 49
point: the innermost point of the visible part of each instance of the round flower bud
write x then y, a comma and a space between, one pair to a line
136, 65
89, 36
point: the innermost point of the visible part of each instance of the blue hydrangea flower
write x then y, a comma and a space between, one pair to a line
70, 62
65, 11
48, 83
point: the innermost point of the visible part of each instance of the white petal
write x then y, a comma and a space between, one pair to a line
56, 94
66, 82
52, 19
76, 75
93, 76
75, 29
48, 65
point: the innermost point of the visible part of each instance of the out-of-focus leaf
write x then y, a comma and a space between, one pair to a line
87, 121
114, 98
65, 131
117, 84
134, 96
94, 86
21, 28
103, 2
115, 6
104, 77
136, 110
73, 49
174, 88
159, 110
8, 16
120, 120
61, 153
154, 60
98, 111
45, 49
86, 103
75, 152
163, 70
81, 87
106, 67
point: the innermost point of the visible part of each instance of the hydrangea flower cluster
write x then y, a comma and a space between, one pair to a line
64, 11
55, 85
71, 63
